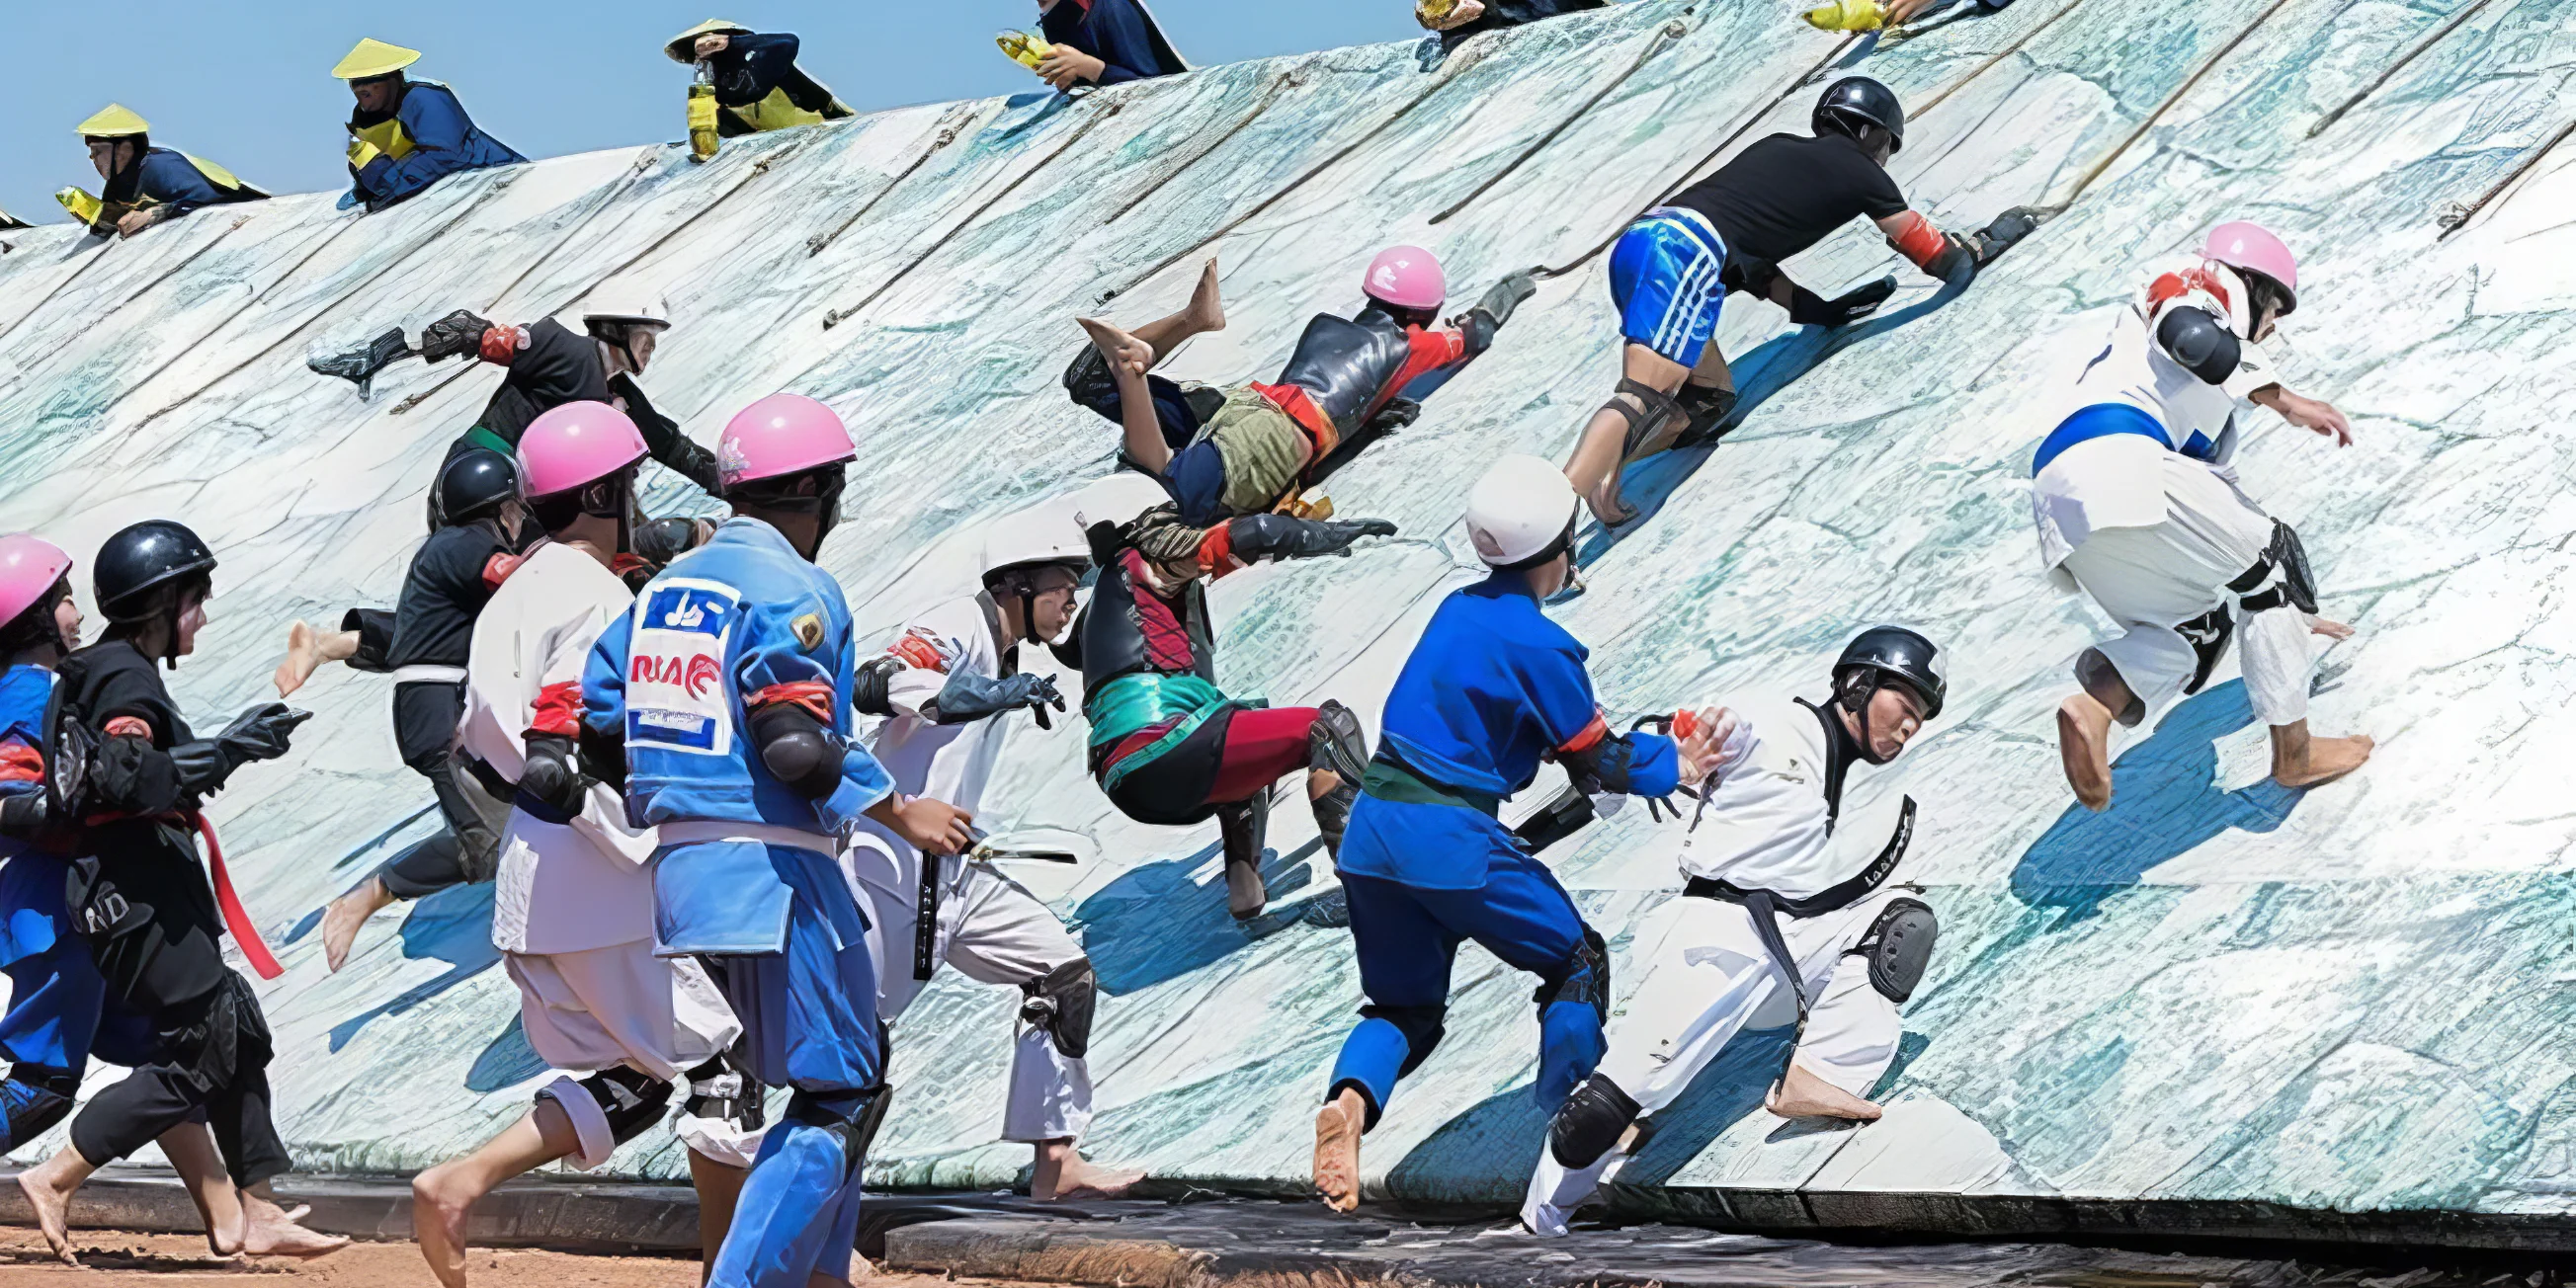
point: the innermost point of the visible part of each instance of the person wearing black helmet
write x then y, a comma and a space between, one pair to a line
137, 890
422, 644
1674, 267
1785, 896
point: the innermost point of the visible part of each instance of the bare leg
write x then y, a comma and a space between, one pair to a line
1204, 313
443, 1198
191, 1150
347, 914
1063, 1173
1337, 1150
1599, 454
2084, 733
719, 1187
1712, 371
306, 650
2302, 761
1129, 358
1800, 1094
49, 1186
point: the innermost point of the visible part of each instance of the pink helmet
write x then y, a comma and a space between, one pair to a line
779, 435
29, 568
2252, 246
576, 444
1407, 277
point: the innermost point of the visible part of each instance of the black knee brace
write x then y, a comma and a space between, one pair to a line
720, 1091
1061, 1003
1899, 946
1586, 979
631, 1100
1708, 407
1590, 1121
855, 1124
1654, 410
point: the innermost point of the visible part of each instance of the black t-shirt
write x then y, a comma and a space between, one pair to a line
1784, 193
151, 859
559, 366
442, 595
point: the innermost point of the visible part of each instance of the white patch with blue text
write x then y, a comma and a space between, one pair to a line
677, 694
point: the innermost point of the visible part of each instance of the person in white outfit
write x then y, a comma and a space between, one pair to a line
948, 685
573, 910
1786, 916
2137, 503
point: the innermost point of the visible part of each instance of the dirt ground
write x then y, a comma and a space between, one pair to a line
183, 1259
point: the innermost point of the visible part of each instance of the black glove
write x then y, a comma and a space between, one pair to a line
1956, 258
868, 688
1395, 415
968, 696
260, 733
660, 541
1806, 308
2005, 229
1493, 310
25, 815
458, 332
553, 777
1276, 536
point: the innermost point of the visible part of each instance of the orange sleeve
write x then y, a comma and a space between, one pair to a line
813, 695
1590, 735
558, 710
1920, 241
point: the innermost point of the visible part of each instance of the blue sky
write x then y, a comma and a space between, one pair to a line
249, 86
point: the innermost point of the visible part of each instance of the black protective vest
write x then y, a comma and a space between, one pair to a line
1346, 364
1127, 628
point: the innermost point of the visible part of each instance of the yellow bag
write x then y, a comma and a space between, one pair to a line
1848, 15
703, 139
1024, 48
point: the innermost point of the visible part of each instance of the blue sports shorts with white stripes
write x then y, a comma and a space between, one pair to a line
1664, 276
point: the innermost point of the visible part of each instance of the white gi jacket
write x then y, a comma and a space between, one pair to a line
950, 762
1770, 824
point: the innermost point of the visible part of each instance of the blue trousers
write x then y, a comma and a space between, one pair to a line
809, 1018
57, 1002
1408, 937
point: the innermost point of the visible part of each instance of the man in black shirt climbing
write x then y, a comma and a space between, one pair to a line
1675, 266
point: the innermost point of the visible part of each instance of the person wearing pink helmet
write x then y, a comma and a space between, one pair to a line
2138, 504
1252, 448
724, 702
573, 909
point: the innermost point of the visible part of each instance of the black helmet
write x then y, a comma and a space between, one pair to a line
1857, 101
1884, 653
142, 559
474, 483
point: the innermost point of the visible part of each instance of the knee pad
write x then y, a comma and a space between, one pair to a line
35, 1097
722, 1092
1337, 743
607, 1109
2208, 635
1088, 378
1653, 411
1708, 407
1245, 827
1421, 1026
850, 1117
2280, 577
1899, 946
1061, 1003
2089, 667
1589, 1122
1586, 978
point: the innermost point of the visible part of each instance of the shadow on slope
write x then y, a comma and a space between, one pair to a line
453, 926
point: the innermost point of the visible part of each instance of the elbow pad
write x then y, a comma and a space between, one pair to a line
870, 689
2200, 344
797, 750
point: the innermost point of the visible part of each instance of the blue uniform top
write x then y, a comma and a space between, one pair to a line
31, 893
175, 181
1117, 32
444, 141
1492, 686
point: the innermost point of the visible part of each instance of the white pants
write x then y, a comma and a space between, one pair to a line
995, 932
2150, 579
605, 1007
1707, 978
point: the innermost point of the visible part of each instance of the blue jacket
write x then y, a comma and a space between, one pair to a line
175, 181
32, 915
1117, 32
722, 628
1491, 688
444, 142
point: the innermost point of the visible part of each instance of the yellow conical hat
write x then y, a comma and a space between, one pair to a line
678, 46
374, 58
114, 121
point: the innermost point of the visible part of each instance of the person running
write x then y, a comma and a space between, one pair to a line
141, 899
1784, 890
1491, 688
725, 699
2137, 503
144, 185
1674, 267
1250, 449
949, 684
573, 911
405, 135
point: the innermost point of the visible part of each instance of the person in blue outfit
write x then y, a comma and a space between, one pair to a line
758, 85
1103, 42
725, 700
1491, 688
145, 185
405, 134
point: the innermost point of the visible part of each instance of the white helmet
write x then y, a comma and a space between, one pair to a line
1040, 535
1521, 513
1118, 498
627, 302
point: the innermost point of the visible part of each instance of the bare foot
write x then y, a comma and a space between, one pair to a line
2084, 745
440, 1206
342, 920
303, 654
271, 1231
2327, 759
1801, 1094
1120, 348
1207, 308
52, 1202
1080, 1178
1337, 1150
2332, 630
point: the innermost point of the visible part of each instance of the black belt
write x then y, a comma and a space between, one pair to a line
1389, 780
1766, 905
